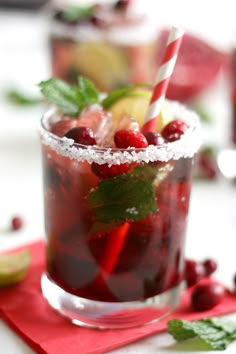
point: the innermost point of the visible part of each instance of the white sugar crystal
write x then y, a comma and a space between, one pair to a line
132, 211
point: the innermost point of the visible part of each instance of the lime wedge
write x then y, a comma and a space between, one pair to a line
164, 118
135, 104
14, 267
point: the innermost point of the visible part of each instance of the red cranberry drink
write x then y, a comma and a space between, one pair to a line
109, 43
116, 204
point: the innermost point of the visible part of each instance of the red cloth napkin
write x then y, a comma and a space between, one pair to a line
24, 309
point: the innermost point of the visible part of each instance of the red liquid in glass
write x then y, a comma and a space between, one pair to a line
150, 259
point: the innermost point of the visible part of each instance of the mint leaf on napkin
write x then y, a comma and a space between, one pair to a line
217, 333
121, 198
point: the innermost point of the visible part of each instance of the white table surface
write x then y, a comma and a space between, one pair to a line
212, 219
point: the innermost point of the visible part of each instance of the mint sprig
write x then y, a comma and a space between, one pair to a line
87, 92
216, 333
70, 99
122, 198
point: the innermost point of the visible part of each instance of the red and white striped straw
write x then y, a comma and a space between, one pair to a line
163, 78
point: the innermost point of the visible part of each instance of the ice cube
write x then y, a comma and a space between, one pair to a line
98, 120
126, 122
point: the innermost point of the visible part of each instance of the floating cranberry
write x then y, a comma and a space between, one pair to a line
82, 135
154, 138
16, 223
106, 171
194, 271
125, 138
61, 127
206, 296
173, 130
210, 266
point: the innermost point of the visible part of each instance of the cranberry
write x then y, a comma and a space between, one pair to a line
122, 4
210, 266
98, 21
194, 271
82, 135
61, 127
206, 296
173, 130
125, 138
154, 138
105, 171
16, 223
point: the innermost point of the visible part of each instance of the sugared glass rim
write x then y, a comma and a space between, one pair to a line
186, 147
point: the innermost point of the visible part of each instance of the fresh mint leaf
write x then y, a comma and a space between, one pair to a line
115, 95
87, 91
77, 13
19, 98
62, 95
211, 331
121, 198
69, 99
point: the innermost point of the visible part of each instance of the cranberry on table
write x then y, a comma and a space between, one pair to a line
206, 296
125, 138
81, 135
16, 223
210, 266
194, 272
174, 129
154, 138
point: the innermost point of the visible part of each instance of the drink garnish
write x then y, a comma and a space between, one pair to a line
72, 99
116, 199
214, 332
129, 90
14, 267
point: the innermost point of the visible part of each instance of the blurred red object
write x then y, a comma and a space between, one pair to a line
197, 66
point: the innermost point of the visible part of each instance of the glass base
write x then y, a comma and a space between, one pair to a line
109, 315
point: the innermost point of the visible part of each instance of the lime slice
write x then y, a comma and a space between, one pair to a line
164, 118
135, 104
13, 267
